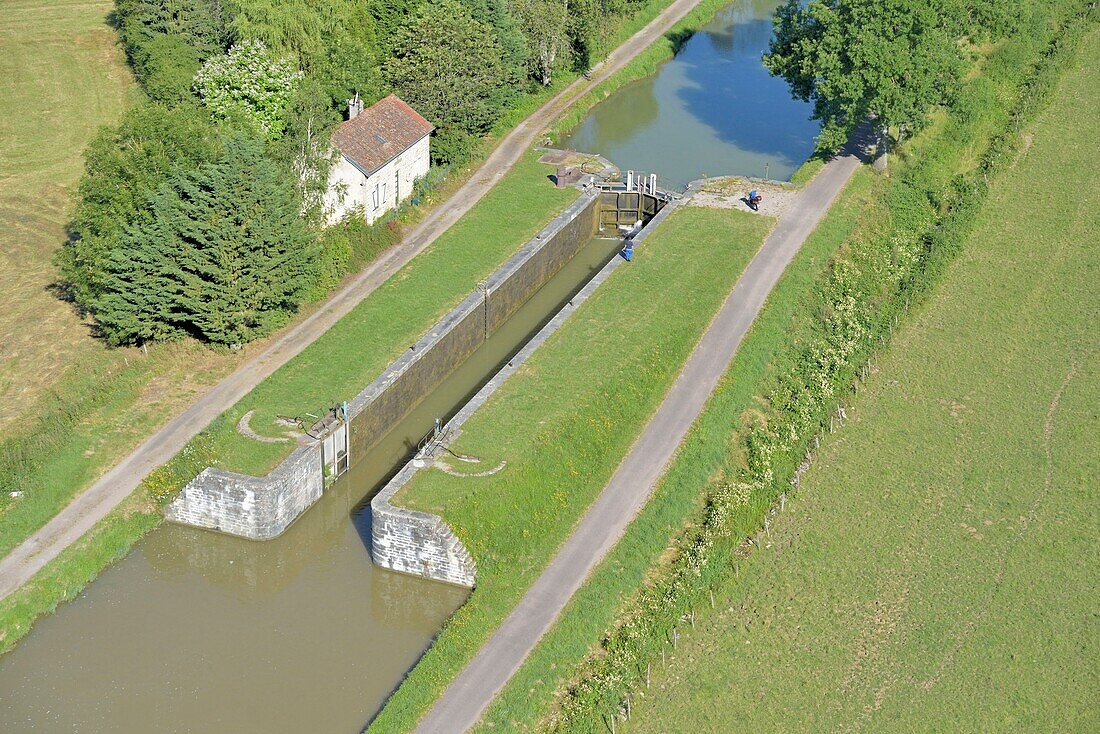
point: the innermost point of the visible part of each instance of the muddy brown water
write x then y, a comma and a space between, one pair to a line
200, 632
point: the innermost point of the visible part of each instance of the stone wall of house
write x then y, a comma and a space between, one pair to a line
350, 190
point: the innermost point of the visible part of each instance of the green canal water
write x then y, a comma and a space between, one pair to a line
196, 631
712, 110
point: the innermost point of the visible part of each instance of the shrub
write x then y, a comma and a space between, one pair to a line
248, 85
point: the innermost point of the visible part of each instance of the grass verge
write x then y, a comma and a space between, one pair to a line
971, 458
527, 696
564, 422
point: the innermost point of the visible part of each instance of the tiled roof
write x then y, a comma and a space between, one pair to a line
380, 133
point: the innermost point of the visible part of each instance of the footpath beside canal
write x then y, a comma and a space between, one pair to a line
462, 703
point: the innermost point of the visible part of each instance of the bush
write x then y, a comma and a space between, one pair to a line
248, 85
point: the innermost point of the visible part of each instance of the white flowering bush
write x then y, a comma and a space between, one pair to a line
248, 84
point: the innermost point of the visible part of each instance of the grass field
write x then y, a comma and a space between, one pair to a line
564, 421
938, 569
61, 77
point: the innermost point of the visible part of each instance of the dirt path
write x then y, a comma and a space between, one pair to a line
461, 705
94, 503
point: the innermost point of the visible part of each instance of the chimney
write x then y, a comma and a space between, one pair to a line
355, 106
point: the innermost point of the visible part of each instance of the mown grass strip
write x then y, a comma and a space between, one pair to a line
565, 420
527, 696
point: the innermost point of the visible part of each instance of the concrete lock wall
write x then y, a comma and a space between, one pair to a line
263, 507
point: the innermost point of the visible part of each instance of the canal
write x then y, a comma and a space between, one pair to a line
196, 631
712, 110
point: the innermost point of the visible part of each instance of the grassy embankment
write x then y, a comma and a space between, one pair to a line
101, 409
565, 420
526, 697
962, 593
698, 557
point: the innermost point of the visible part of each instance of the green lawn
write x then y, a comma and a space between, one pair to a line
526, 697
938, 568
564, 422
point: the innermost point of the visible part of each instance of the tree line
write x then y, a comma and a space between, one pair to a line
199, 215
888, 60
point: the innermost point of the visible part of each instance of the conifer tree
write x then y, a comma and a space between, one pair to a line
222, 254
247, 257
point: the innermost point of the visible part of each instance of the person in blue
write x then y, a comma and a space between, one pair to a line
754, 200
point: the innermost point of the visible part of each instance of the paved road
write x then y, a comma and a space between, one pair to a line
461, 705
94, 503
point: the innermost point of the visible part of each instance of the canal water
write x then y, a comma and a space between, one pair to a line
200, 632
712, 110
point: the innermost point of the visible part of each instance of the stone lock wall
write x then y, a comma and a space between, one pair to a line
417, 543
258, 508
263, 507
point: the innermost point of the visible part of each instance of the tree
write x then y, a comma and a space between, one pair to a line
123, 168
334, 42
222, 255
545, 24
248, 85
498, 16
854, 59
390, 17
448, 66
166, 42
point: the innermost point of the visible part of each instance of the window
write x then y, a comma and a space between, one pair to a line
375, 195
383, 191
